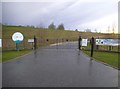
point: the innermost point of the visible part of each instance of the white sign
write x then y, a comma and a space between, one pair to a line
0, 42
31, 40
84, 42
17, 37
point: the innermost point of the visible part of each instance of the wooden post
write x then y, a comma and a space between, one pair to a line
79, 42
92, 46
35, 42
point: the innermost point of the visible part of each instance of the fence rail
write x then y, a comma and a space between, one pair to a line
8, 44
102, 48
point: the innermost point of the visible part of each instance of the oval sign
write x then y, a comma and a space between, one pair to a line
17, 37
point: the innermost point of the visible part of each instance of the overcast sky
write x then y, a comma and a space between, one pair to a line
74, 14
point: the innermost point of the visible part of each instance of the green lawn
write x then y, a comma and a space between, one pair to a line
109, 58
0, 57
13, 54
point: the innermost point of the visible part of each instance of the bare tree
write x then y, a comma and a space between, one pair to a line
113, 30
108, 29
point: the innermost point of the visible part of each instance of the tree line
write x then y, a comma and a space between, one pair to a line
51, 26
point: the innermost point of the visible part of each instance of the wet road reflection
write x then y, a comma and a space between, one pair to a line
61, 67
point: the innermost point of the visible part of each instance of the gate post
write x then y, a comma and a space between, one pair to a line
17, 46
79, 42
35, 42
92, 45
97, 46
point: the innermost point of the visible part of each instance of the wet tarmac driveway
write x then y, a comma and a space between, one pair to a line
58, 66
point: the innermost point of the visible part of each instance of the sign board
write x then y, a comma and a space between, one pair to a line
109, 42
17, 37
84, 42
0, 42
30, 40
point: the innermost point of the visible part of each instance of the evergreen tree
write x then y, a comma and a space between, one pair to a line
60, 27
52, 26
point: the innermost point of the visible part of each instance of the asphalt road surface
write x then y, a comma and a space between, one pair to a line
60, 65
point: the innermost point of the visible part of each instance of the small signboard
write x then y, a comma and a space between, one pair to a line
17, 37
84, 42
30, 40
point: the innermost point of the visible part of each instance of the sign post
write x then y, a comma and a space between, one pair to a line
17, 37
17, 46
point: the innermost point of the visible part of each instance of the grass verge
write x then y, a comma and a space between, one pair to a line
8, 55
106, 57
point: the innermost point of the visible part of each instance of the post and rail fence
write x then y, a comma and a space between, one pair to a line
33, 43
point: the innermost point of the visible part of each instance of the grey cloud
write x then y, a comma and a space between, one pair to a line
71, 13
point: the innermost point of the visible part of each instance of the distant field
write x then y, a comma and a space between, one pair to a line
41, 34
44, 36
48, 36
29, 32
